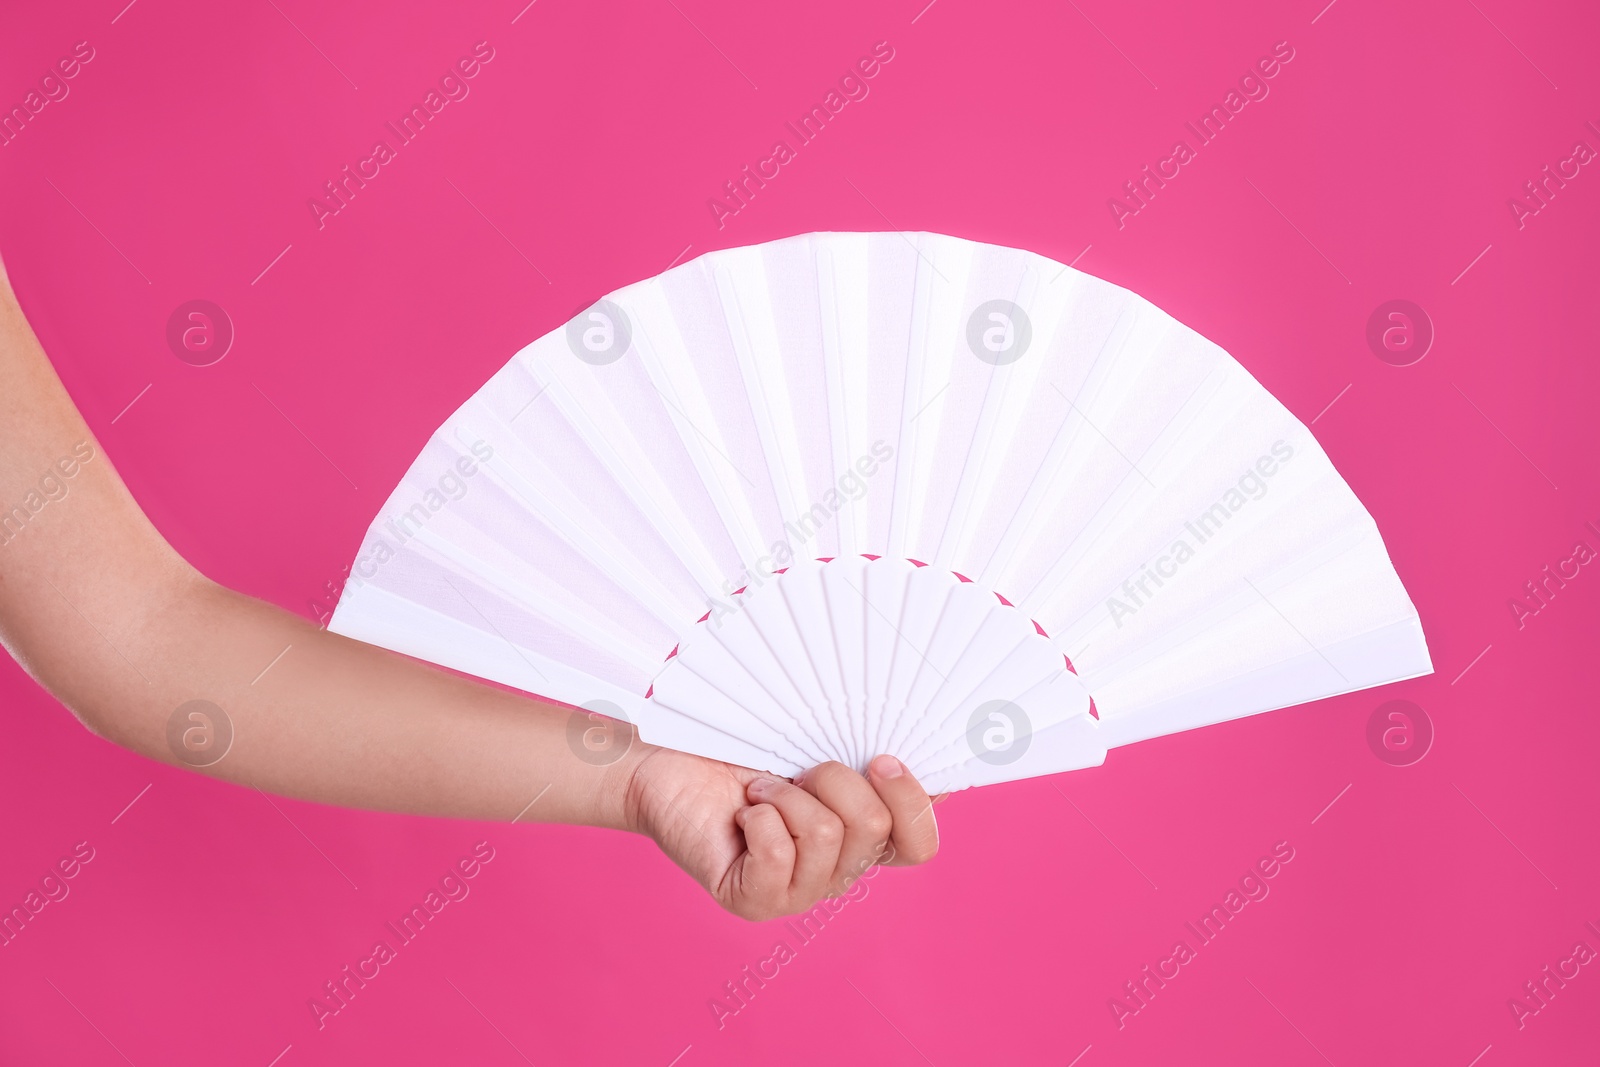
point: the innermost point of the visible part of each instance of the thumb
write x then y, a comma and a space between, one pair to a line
915, 837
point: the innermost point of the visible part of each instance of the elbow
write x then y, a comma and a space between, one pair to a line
107, 719
117, 680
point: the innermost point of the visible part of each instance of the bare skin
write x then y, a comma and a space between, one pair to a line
99, 609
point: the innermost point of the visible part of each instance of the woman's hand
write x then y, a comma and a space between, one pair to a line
765, 847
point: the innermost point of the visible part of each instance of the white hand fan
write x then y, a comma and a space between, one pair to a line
852, 493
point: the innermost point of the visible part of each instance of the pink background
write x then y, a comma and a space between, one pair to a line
1379, 167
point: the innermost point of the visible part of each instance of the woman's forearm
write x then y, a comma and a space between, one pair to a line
321, 717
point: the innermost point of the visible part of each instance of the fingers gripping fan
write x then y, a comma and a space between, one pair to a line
852, 493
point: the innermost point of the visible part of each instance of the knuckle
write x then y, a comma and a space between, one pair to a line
828, 772
877, 823
829, 831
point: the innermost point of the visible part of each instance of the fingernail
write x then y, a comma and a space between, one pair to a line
761, 785
888, 767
